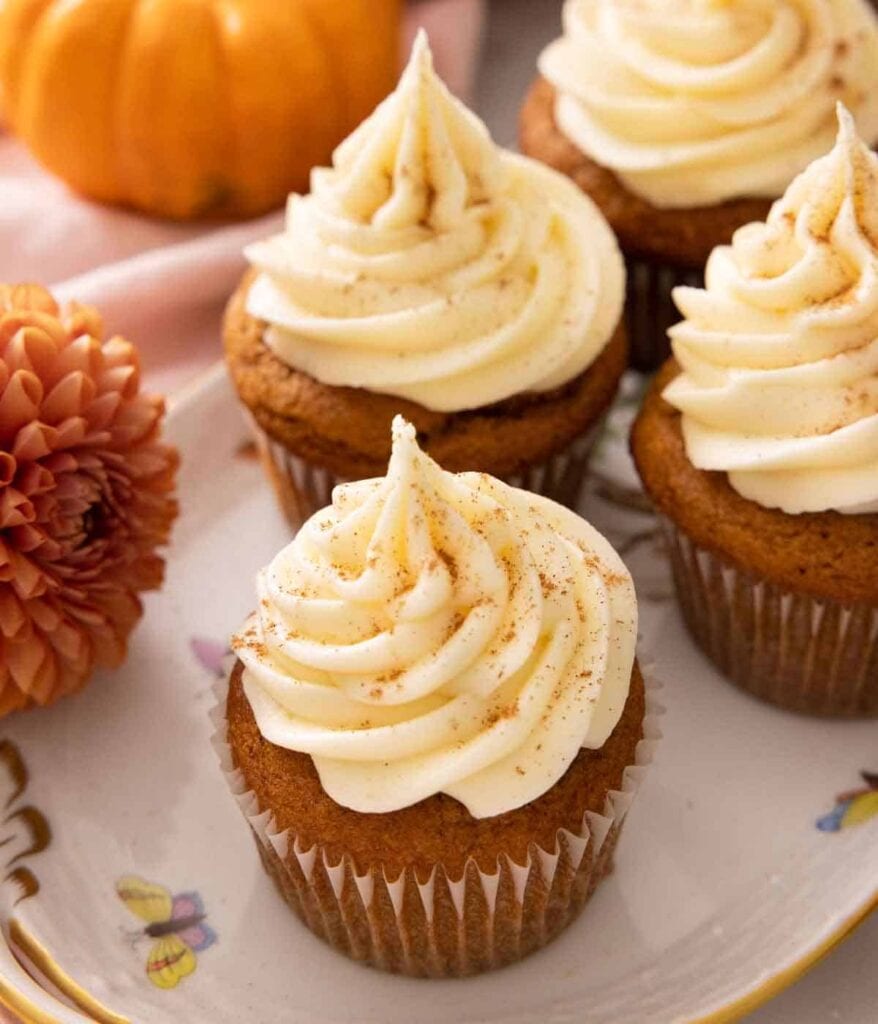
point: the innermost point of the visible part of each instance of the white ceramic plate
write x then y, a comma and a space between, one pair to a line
725, 888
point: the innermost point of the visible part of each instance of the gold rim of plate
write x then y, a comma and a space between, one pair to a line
20, 1004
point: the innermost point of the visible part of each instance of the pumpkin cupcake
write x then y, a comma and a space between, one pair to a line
685, 119
429, 273
759, 445
436, 718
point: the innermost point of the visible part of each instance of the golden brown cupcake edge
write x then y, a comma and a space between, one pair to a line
347, 430
438, 829
821, 555
683, 237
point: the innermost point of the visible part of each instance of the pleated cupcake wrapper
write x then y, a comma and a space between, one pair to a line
303, 489
650, 309
441, 925
814, 656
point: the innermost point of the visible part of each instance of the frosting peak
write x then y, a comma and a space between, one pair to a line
431, 633
422, 159
694, 102
780, 351
429, 264
854, 163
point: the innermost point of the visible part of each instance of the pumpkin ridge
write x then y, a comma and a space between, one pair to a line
225, 190
116, 113
340, 98
15, 62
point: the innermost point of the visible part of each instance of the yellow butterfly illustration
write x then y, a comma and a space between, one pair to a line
177, 923
854, 807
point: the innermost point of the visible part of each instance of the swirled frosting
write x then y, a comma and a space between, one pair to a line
694, 102
429, 264
432, 633
780, 353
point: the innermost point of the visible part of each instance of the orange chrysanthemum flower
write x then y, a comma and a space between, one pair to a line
86, 496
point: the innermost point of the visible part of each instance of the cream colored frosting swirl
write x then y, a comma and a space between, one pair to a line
432, 633
780, 352
429, 264
694, 102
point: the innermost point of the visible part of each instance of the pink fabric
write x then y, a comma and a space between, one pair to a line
455, 30
163, 285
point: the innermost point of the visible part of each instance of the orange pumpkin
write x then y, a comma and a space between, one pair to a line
189, 108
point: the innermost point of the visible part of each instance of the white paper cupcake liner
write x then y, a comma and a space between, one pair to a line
303, 489
815, 656
650, 309
439, 925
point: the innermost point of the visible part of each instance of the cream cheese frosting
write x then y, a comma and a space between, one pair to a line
437, 633
779, 352
428, 264
695, 102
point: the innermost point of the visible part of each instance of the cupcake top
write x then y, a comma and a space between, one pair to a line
437, 633
780, 352
695, 102
429, 264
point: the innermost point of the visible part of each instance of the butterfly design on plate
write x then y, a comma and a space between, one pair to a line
175, 923
854, 807
210, 654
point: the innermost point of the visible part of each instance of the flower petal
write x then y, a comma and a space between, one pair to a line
69, 397
20, 402
12, 615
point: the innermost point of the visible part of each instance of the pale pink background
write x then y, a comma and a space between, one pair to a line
160, 284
